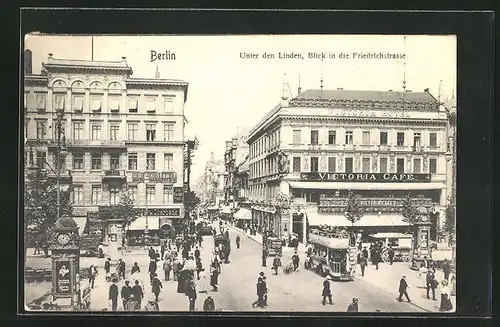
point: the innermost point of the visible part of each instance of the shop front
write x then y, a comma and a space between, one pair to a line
265, 218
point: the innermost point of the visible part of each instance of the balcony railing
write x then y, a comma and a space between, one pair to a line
113, 174
71, 143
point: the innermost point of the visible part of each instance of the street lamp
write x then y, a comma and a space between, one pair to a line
146, 230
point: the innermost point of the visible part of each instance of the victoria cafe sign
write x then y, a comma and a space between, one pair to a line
365, 177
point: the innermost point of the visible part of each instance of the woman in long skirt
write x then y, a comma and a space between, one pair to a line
202, 282
445, 297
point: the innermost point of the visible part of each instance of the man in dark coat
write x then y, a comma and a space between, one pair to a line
446, 268
238, 240
295, 260
276, 264
121, 269
391, 255
138, 293
353, 307
197, 253
431, 283
403, 286
261, 290
209, 304
151, 253
365, 253
156, 286
214, 279
376, 257
135, 268
152, 269
125, 293
113, 295
327, 293
362, 263
264, 257
162, 249
107, 266
191, 294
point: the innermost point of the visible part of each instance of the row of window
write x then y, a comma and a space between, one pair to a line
264, 167
264, 143
96, 132
96, 103
114, 161
366, 138
114, 194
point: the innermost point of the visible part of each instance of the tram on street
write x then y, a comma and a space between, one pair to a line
332, 254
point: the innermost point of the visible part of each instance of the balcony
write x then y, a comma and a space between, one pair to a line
114, 174
434, 149
418, 149
65, 176
70, 143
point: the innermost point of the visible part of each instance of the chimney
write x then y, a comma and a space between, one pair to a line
408, 90
28, 62
299, 89
390, 90
427, 90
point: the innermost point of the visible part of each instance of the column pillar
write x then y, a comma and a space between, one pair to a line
304, 228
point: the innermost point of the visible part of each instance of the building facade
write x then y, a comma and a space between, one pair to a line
122, 134
212, 193
315, 148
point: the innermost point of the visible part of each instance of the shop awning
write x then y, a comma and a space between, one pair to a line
366, 186
243, 214
81, 222
226, 210
316, 219
140, 223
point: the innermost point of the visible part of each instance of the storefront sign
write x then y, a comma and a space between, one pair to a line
167, 212
374, 202
364, 177
178, 194
63, 277
167, 177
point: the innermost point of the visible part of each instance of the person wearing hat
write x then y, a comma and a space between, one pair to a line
125, 294
276, 264
295, 260
156, 286
261, 289
403, 286
138, 293
113, 294
327, 293
353, 307
152, 304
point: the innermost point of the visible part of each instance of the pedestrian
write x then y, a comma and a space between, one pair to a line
391, 255
191, 294
261, 290
214, 279
156, 286
121, 269
365, 253
162, 250
92, 275
446, 269
362, 263
208, 304
135, 268
113, 295
174, 254
138, 293
200, 240
445, 297
152, 269
264, 257
327, 293
151, 252
199, 267
276, 264
125, 294
178, 244
353, 307
197, 253
376, 257
107, 266
37, 248
167, 267
202, 282
403, 286
295, 260
176, 267
157, 256
238, 240
431, 283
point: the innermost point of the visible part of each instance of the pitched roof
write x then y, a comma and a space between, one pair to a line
341, 94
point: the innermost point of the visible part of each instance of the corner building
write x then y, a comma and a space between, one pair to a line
117, 131
323, 143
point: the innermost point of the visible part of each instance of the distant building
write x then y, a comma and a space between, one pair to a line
117, 131
318, 146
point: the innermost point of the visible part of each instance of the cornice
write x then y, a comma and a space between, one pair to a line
426, 106
363, 120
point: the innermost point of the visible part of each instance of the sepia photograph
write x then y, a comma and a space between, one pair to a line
240, 173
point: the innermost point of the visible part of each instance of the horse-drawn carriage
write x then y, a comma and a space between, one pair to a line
223, 243
400, 243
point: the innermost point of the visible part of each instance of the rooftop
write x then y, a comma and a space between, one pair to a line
341, 94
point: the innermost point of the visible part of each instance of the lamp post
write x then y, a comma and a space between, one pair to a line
146, 230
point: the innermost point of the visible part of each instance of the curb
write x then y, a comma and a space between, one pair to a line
385, 291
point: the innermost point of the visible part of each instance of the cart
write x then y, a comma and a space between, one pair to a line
226, 246
273, 245
400, 243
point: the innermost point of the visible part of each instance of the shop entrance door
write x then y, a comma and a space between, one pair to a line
298, 225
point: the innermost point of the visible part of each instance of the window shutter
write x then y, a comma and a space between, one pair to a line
114, 105
96, 104
77, 103
151, 104
133, 104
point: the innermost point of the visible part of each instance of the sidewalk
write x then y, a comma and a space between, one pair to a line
387, 279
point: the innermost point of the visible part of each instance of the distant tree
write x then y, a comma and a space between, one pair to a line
450, 220
410, 216
40, 208
125, 210
353, 211
191, 200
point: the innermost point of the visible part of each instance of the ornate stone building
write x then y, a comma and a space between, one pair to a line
120, 132
320, 145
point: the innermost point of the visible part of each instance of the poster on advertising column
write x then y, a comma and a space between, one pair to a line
63, 277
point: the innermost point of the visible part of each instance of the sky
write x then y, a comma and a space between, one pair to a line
227, 93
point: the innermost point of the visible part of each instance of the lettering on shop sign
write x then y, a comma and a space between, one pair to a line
370, 113
166, 212
168, 177
363, 177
